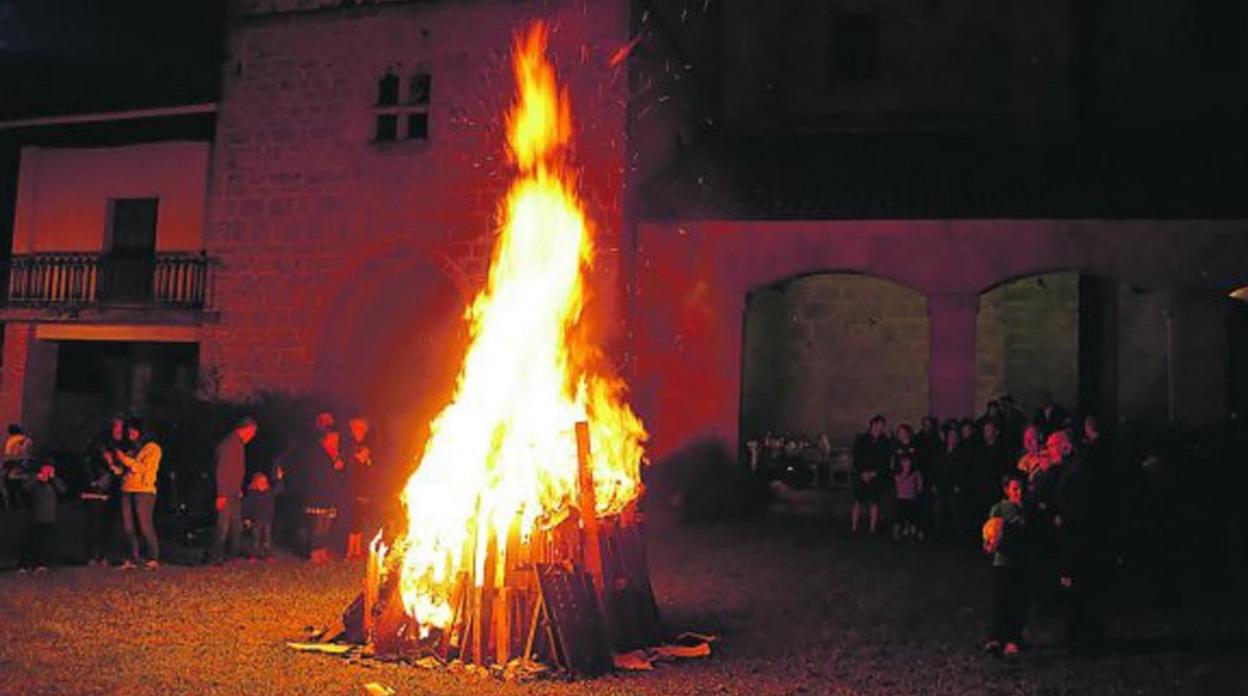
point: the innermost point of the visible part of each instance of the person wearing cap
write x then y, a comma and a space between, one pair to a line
231, 458
138, 493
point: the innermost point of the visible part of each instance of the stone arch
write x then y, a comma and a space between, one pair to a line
1027, 339
1131, 353
390, 342
824, 351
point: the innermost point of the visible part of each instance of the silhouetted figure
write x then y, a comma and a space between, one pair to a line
1088, 500
231, 466
42, 488
872, 451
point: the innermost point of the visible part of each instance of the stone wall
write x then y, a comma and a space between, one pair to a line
305, 207
1027, 341
824, 353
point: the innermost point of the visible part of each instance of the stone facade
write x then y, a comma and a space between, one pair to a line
339, 248
694, 280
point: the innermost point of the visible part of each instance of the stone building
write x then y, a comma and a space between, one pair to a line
808, 212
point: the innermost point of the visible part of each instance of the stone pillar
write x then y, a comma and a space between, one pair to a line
39, 388
17, 338
951, 363
28, 382
1199, 386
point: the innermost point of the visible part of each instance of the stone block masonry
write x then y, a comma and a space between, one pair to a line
306, 205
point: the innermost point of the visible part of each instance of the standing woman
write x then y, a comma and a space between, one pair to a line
138, 493
327, 472
364, 514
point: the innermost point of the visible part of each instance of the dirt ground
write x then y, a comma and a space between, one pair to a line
800, 607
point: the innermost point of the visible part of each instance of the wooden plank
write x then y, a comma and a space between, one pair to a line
590, 548
502, 625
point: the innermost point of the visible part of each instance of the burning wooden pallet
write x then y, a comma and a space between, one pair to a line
573, 595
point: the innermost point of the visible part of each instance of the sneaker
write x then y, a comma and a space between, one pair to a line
1011, 651
127, 565
152, 564
41, 569
23, 570
992, 646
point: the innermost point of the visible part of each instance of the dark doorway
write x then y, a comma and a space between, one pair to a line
125, 274
96, 379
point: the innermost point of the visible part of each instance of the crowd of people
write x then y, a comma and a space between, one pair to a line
1042, 497
334, 482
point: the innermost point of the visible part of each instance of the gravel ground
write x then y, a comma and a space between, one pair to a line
800, 608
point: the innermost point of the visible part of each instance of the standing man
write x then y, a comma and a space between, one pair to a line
872, 451
231, 466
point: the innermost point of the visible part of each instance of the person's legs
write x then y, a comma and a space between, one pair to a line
221, 532
128, 524
998, 629
42, 543
145, 505
26, 558
264, 538
234, 511
1016, 605
318, 536
95, 531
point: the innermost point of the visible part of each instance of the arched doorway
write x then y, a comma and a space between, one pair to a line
1135, 356
1027, 341
390, 345
823, 353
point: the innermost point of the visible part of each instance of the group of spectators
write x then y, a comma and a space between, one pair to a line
1041, 496
336, 496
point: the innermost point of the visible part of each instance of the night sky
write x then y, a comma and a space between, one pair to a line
64, 56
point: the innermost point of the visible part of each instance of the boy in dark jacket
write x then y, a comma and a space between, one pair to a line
258, 505
42, 489
1005, 537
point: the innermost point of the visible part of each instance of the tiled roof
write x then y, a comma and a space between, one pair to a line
952, 177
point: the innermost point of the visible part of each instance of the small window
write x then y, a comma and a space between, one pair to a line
402, 116
418, 88
418, 126
854, 50
387, 128
388, 90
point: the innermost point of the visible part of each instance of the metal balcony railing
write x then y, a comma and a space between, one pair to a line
177, 280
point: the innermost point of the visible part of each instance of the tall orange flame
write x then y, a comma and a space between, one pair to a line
503, 451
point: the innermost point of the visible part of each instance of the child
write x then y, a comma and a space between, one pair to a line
258, 504
909, 483
41, 490
1005, 538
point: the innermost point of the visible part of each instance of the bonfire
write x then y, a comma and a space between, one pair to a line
523, 541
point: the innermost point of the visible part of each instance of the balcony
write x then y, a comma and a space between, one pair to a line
171, 287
